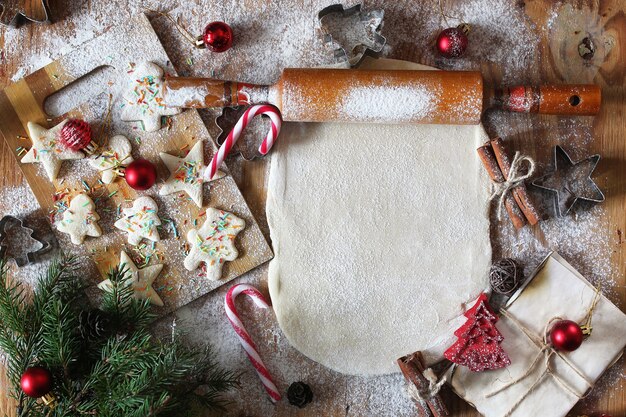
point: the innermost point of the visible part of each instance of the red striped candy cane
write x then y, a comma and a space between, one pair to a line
244, 337
266, 145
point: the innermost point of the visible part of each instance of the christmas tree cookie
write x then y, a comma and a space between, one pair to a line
140, 279
110, 160
80, 219
47, 149
143, 101
185, 173
140, 221
214, 242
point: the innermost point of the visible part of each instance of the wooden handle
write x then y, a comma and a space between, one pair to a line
567, 99
192, 92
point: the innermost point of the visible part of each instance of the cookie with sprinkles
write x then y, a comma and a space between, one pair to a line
185, 173
140, 279
47, 149
143, 101
214, 242
80, 219
140, 221
113, 158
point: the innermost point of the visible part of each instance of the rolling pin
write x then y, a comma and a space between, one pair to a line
382, 96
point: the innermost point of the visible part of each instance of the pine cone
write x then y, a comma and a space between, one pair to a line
299, 394
93, 324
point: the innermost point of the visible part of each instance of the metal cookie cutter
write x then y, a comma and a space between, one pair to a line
248, 149
47, 242
571, 181
351, 33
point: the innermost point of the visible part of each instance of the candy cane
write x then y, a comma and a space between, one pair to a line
244, 337
266, 145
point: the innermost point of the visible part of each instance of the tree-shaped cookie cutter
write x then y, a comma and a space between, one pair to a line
12, 11
47, 241
352, 33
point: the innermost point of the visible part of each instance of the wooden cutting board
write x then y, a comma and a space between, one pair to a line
106, 65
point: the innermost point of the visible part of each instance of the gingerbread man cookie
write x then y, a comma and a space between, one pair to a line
113, 158
143, 101
47, 149
140, 279
140, 221
80, 219
214, 242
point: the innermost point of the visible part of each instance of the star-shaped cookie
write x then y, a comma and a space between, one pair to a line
143, 101
214, 242
140, 279
80, 219
47, 149
140, 221
110, 160
185, 173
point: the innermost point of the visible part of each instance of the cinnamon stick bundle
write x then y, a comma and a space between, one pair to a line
497, 162
412, 367
519, 193
488, 158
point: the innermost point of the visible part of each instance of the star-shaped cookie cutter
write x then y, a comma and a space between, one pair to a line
568, 188
47, 241
351, 33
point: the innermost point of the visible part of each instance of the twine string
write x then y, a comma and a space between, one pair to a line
434, 386
186, 34
547, 352
515, 178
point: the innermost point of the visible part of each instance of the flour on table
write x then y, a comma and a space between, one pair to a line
380, 236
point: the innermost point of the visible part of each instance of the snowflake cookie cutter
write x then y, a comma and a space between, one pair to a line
47, 241
583, 189
352, 33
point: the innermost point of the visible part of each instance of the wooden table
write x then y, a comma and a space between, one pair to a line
560, 29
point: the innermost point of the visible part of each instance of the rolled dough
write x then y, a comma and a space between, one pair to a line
380, 235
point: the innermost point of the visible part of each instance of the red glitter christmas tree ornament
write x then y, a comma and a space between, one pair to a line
478, 345
452, 42
76, 135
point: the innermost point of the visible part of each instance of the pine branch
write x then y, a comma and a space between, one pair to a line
120, 303
12, 300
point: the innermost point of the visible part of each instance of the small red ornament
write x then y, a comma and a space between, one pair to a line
452, 42
478, 345
566, 335
76, 135
36, 381
217, 37
140, 174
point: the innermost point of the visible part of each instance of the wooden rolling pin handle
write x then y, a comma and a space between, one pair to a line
567, 99
193, 92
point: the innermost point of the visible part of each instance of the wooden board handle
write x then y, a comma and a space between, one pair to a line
567, 99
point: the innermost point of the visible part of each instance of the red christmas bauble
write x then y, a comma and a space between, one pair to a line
218, 36
140, 174
36, 381
75, 134
452, 42
566, 335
